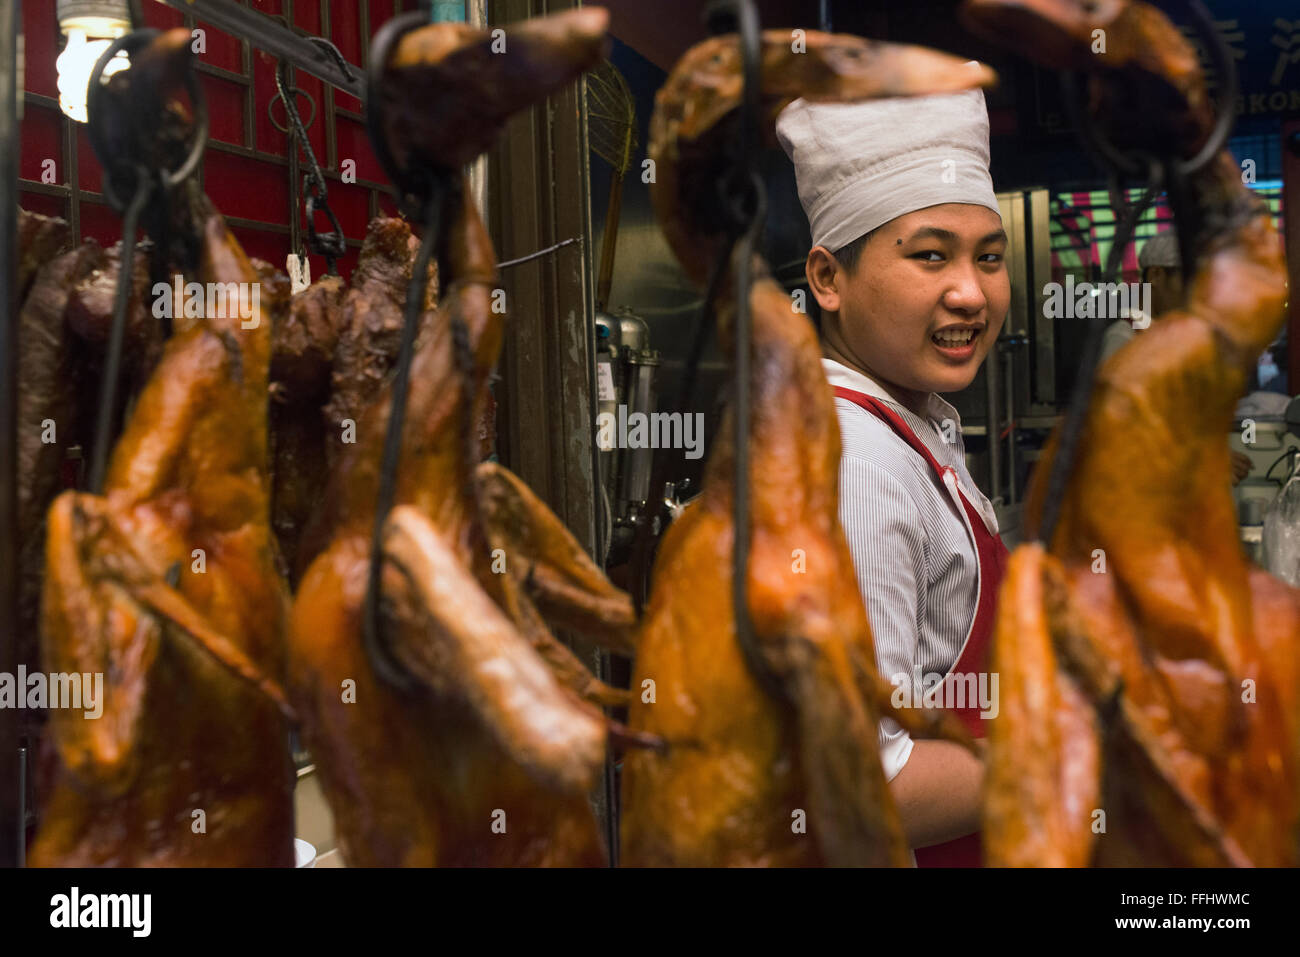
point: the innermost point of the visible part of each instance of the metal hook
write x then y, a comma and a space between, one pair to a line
146, 184
1110, 156
413, 185
100, 141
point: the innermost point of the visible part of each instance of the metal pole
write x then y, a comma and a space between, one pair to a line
276, 39
11, 825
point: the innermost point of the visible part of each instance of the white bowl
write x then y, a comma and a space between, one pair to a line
304, 855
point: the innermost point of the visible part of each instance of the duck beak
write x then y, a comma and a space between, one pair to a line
448, 88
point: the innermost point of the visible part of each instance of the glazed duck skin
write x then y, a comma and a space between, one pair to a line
498, 724
188, 763
1177, 662
185, 725
742, 762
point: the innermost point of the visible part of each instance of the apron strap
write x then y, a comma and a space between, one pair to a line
991, 556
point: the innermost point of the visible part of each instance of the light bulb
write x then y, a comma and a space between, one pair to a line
77, 62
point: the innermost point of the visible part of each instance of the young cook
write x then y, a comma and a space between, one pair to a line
907, 266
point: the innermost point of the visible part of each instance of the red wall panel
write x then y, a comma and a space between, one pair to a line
254, 187
45, 205
42, 139
248, 188
89, 173
162, 17
223, 50
225, 109
263, 245
355, 144
100, 222
40, 34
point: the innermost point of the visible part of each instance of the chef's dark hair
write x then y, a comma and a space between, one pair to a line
848, 256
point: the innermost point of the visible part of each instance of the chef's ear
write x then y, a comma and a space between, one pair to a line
824, 277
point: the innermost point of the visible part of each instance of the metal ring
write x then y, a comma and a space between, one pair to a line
1135, 163
296, 91
132, 43
411, 185
1227, 113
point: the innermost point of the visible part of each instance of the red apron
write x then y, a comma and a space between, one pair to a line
974, 657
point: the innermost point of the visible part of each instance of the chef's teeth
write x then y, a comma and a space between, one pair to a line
959, 338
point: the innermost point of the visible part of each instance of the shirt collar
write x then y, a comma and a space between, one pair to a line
838, 374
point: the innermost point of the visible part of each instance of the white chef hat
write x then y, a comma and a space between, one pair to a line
859, 165
1160, 250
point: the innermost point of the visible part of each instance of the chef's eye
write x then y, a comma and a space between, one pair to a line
991, 258
938, 256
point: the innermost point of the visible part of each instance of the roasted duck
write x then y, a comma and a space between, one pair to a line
332, 355
1149, 673
488, 754
165, 585
759, 739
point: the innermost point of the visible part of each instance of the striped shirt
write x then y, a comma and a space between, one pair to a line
914, 558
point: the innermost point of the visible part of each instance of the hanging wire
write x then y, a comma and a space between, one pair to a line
1170, 171
116, 334
1127, 218
113, 154
744, 204
421, 195
541, 252
331, 245
372, 626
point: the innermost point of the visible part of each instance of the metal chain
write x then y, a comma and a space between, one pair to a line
331, 245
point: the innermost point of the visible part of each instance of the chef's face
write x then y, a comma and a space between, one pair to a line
925, 301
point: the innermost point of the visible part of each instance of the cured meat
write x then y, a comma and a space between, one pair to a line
487, 756
40, 239
89, 315
165, 585
50, 419
371, 324
760, 738
1149, 673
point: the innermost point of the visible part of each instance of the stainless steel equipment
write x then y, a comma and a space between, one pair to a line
626, 368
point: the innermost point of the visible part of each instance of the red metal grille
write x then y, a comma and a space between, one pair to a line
246, 168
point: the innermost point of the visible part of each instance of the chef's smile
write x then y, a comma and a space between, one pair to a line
957, 344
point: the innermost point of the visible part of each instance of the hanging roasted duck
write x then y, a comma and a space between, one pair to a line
330, 354
1149, 672
478, 739
330, 383
772, 754
165, 586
